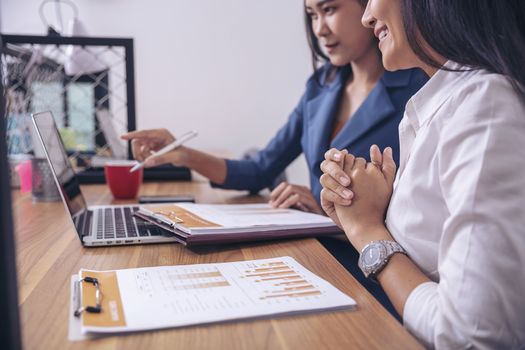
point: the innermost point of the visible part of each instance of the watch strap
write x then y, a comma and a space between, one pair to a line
392, 248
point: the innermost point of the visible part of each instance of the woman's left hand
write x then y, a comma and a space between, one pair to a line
288, 195
371, 184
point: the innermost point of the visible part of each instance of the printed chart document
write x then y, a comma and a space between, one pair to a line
222, 223
173, 296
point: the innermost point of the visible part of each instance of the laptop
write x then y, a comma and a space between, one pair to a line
101, 225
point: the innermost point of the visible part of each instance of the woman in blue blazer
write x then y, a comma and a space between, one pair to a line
349, 103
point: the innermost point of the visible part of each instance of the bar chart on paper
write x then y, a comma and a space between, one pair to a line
171, 296
278, 280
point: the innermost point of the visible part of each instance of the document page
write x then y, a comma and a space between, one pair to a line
208, 218
172, 296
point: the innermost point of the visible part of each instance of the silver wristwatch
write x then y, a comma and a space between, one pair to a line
375, 256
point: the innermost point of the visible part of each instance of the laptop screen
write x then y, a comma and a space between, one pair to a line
55, 150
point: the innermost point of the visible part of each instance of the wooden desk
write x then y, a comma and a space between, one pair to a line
49, 252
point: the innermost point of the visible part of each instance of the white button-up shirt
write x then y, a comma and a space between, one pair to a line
458, 208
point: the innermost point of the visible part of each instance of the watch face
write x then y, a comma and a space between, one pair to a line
372, 255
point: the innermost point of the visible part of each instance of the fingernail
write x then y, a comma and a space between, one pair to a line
337, 156
344, 180
347, 194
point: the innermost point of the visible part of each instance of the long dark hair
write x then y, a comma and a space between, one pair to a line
318, 57
482, 34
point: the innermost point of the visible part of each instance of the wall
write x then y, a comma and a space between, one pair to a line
231, 69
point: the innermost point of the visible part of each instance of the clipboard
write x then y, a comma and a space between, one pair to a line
151, 298
191, 228
98, 302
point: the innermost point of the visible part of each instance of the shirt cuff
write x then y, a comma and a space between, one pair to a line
420, 311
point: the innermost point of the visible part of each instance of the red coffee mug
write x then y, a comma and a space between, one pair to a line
122, 183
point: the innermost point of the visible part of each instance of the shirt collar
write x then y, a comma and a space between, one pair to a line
434, 93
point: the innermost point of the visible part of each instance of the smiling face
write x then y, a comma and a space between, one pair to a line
337, 26
384, 17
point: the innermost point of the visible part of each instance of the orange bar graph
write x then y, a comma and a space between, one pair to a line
196, 275
202, 285
293, 295
308, 286
276, 268
292, 277
278, 273
277, 263
290, 283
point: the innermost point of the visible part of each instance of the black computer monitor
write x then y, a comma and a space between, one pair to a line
9, 321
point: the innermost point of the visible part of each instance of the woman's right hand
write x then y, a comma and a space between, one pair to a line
145, 142
334, 178
370, 188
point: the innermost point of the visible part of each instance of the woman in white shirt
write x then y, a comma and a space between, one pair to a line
451, 254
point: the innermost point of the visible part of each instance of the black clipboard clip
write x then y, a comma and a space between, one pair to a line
98, 297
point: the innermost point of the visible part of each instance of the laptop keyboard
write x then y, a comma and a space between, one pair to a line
115, 223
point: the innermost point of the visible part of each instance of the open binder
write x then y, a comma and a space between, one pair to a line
173, 296
194, 224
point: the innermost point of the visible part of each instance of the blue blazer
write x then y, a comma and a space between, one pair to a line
309, 129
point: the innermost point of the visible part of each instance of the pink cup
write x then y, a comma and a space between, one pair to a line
25, 173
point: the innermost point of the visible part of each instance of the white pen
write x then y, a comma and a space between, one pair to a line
168, 148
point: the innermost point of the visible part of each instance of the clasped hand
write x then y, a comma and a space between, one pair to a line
355, 193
